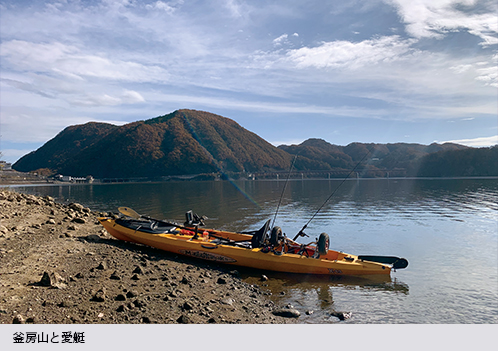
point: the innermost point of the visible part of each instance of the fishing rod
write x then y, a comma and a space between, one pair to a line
301, 232
283, 190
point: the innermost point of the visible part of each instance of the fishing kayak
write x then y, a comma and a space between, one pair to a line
255, 249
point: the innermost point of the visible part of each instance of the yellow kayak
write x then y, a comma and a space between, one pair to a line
277, 253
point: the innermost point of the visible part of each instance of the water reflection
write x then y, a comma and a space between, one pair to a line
313, 296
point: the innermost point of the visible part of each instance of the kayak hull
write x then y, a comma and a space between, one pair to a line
184, 243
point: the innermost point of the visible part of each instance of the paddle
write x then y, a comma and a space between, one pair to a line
129, 212
398, 263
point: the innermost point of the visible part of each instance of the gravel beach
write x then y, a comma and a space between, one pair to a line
59, 266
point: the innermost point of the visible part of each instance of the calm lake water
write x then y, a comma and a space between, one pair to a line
446, 228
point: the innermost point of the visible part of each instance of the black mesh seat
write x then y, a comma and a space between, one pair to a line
260, 236
146, 226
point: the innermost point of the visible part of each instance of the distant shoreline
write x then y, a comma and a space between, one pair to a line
21, 183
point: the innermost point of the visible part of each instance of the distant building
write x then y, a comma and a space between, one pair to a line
5, 166
69, 179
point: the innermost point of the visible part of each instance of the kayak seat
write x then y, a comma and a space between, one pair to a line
260, 236
146, 226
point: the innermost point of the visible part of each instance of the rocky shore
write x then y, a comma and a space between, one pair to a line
59, 266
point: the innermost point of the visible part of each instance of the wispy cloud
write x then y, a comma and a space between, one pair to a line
127, 97
351, 55
476, 142
67, 60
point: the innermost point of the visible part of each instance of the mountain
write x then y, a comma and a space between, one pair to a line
196, 142
183, 142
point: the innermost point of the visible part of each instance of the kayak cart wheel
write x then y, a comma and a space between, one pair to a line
276, 236
323, 244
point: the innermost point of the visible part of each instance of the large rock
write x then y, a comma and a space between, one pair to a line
76, 207
287, 313
53, 280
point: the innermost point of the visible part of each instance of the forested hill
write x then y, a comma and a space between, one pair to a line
401, 159
197, 142
183, 142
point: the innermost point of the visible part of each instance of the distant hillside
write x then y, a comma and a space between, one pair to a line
403, 158
183, 142
460, 163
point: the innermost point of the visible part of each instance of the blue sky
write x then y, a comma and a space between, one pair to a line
380, 71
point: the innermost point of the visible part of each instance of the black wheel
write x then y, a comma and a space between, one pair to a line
323, 244
276, 236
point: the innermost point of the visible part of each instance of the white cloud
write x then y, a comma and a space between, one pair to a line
281, 39
168, 7
485, 72
346, 54
476, 142
131, 97
434, 19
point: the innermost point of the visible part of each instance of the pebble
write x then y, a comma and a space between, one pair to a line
228, 301
18, 319
187, 306
287, 313
131, 293
342, 315
183, 319
122, 308
99, 296
120, 297
138, 270
76, 207
221, 280
139, 303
